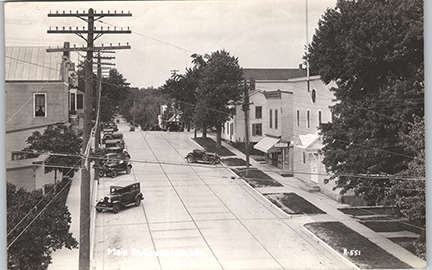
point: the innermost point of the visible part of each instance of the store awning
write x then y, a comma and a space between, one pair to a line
266, 143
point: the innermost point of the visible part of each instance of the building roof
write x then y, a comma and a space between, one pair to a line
273, 73
32, 64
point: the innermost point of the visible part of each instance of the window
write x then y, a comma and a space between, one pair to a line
304, 157
231, 128
227, 128
308, 119
72, 102
39, 105
80, 101
313, 95
271, 119
276, 119
319, 118
256, 129
258, 112
298, 118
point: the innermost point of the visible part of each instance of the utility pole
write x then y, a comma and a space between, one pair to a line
90, 18
99, 91
246, 112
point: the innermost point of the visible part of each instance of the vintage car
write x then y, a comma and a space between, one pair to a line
201, 155
113, 166
114, 143
112, 136
120, 197
110, 125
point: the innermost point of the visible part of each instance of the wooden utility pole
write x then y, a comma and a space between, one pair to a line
90, 18
98, 107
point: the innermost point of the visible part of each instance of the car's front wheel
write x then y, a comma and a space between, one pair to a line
128, 169
101, 173
116, 208
212, 161
114, 173
137, 201
190, 159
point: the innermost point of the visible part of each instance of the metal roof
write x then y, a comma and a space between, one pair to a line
273, 73
32, 64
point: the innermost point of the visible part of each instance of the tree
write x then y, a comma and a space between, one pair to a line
182, 88
64, 145
144, 104
36, 226
220, 84
373, 50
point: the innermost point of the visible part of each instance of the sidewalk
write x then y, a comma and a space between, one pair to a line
66, 259
330, 206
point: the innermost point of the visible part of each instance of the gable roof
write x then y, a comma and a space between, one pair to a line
273, 73
32, 64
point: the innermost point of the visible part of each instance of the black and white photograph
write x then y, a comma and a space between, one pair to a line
215, 135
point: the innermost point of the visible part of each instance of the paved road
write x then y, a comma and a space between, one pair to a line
195, 216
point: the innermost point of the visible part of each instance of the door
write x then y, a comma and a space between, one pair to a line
314, 163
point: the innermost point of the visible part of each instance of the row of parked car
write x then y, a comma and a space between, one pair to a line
116, 159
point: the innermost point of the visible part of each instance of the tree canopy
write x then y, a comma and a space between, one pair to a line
36, 226
374, 51
144, 104
57, 139
207, 90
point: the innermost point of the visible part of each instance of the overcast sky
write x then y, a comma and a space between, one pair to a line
261, 33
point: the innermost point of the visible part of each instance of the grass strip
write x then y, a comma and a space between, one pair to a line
211, 146
357, 248
256, 178
234, 162
367, 211
292, 203
390, 226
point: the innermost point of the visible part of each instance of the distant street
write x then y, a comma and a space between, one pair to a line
195, 216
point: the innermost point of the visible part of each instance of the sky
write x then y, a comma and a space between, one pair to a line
260, 33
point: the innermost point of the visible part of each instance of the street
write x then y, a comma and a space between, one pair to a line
196, 216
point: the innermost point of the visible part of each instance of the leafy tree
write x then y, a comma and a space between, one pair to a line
36, 226
115, 90
144, 104
221, 82
373, 50
182, 89
56, 139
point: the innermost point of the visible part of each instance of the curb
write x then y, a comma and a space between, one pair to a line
93, 222
272, 205
325, 245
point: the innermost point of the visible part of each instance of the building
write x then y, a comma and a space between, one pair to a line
286, 108
40, 90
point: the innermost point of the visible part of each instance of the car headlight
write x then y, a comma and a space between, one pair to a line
109, 200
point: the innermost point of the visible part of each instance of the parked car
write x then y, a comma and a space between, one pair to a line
113, 166
114, 143
120, 197
112, 136
201, 155
155, 128
110, 125
174, 127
